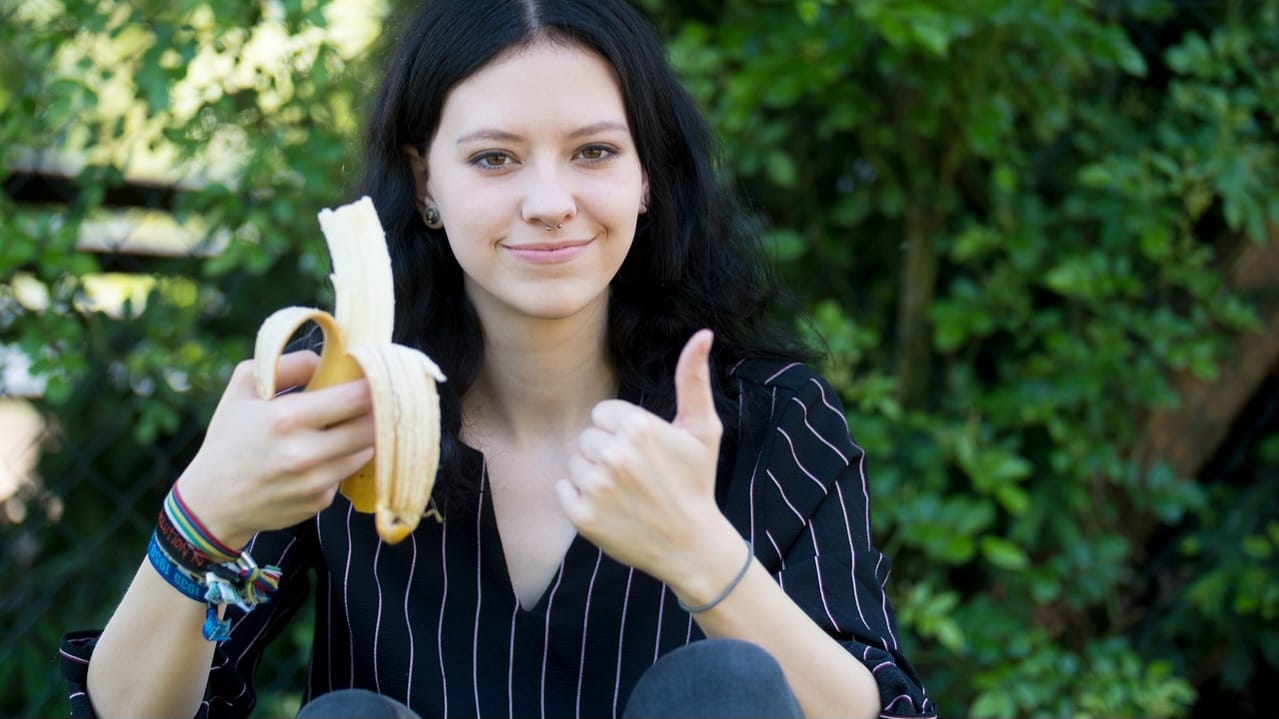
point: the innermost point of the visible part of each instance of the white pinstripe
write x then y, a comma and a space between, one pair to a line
408, 625
586, 614
852, 556
621, 633
510, 664
782, 560
821, 590
479, 592
253, 642
346, 603
661, 609
817, 434
439, 629
782, 494
799, 464
377, 623
888, 625
546, 638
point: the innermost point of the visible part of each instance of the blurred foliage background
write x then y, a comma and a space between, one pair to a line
1037, 237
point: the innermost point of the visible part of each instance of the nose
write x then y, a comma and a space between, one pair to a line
549, 202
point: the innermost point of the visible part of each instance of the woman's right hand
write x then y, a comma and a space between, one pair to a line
269, 464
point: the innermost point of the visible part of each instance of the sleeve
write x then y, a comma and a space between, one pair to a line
815, 522
229, 692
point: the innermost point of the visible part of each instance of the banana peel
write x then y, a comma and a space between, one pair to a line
395, 486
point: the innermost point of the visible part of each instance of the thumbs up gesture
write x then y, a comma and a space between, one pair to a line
695, 406
643, 489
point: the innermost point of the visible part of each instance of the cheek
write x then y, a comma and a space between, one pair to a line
473, 209
616, 202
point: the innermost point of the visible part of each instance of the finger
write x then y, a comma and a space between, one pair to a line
327, 482
606, 449
592, 444
342, 467
572, 502
695, 405
343, 438
295, 369
585, 475
617, 416
327, 406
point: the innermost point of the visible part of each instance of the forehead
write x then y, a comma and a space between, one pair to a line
547, 82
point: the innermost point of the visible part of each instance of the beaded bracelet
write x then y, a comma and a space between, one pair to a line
750, 557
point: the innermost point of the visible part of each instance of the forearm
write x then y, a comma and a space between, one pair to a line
151, 660
826, 679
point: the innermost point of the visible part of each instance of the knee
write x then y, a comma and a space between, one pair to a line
729, 659
714, 677
355, 703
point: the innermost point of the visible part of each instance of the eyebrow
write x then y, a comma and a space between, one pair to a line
504, 136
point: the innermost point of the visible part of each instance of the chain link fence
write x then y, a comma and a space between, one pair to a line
80, 487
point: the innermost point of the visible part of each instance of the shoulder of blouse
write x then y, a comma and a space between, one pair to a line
793, 376
787, 383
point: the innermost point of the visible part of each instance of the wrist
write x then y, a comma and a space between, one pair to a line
221, 526
719, 559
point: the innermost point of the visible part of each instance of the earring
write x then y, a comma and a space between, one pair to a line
431, 216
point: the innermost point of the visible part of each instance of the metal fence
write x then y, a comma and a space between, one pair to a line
79, 487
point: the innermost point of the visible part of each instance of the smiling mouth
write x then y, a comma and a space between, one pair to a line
548, 252
549, 246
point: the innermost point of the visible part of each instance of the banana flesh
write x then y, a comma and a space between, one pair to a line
395, 486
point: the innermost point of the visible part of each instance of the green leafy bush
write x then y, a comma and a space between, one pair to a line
1011, 221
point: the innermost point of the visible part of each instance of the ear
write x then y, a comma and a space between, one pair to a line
643, 208
417, 164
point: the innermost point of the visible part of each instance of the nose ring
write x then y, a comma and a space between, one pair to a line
558, 226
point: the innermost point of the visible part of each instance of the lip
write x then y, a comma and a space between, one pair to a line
548, 252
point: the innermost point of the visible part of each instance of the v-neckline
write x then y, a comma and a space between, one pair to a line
493, 553
493, 550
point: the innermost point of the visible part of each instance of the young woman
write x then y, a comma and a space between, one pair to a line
633, 523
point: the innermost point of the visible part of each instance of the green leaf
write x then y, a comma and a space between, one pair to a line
1096, 175
1003, 553
781, 168
1257, 546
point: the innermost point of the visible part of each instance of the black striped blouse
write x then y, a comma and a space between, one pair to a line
434, 622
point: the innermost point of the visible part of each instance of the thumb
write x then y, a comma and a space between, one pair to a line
694, 404
295, 369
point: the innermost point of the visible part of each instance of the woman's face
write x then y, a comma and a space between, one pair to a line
537, 139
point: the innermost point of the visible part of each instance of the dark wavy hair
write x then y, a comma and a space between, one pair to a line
696, 260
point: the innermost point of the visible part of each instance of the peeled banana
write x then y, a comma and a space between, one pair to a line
395, 486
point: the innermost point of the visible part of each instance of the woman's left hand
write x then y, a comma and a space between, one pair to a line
643, 489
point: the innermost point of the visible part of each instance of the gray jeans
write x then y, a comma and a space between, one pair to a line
709, 678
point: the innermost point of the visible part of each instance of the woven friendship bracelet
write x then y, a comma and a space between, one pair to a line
214, 629
198, 565
173, 572
198, 549
750, 557
180, 550
194, 532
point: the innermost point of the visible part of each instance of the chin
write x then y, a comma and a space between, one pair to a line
551, 307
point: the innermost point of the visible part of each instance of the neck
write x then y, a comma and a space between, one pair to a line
541, 379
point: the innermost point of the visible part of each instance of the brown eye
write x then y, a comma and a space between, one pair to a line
596, 153
491, 160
